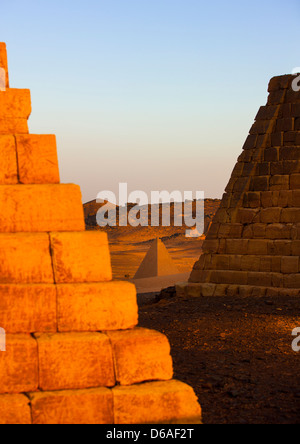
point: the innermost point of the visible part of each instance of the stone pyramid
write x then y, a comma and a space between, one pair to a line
73, 352
157, 262
253, 245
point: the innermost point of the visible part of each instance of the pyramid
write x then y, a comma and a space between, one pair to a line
73, 352
157, 262
253, 245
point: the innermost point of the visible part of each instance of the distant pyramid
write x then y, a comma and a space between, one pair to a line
157, 262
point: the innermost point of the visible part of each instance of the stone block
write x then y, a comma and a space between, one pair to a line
13, 126
290, 215
37, 159
25, 258
289, 264
285, 124
140, 355
14, 410
170, 402
96, 307
8, 161
270, 215
75, 361
28, 308
278, 231
295, 180
73, 407
38, 208
279, 183
15, 104
19, 365
80, 257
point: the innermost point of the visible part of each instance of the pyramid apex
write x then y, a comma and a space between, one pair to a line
3, 62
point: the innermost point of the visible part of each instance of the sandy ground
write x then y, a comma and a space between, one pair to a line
235, 353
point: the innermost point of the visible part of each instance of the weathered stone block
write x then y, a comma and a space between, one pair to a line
37, 159
13, 126
257, 246
96, 307
25, 258
260, 279
73, 407
250, 143
270, 215
290, 215
292, 281
236, 246
285, 124
278, 231
279, 183
141, 355
266, 113
80, 257
8, 161
37, 208
15, 104
28, 308
75, 361
250, 263
19, 365
170, 402
295, 181
259, 183
289, 264
14, 410
280, 83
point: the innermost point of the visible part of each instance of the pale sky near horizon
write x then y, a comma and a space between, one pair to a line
160, 94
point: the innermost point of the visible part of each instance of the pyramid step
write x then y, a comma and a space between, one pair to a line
8, 160
71, 307
40, 208
96, 307
221, 290
170, 402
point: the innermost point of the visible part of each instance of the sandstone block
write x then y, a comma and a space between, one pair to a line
260, 127
292, 281
260, 279
37, 159
210, 246
170, 402
250, 263
25, 258
28, 308
141, 355
37, 208
259, 183
270, 215
295, 181
96, 307
247, 215
280, 83
277, 139
257, 247
279, 183
285, 124
281, 248
278, 231
73, 407
266, 113
291, 138
8, 161
289, 264
75, 361
81, 257
15, 104
290, 215
14, 410
13, 126
19, 365
271, 155
289, 153
236, 246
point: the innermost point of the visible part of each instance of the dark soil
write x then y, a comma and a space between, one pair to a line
235, 353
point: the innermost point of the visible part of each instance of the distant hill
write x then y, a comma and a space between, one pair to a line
145, 234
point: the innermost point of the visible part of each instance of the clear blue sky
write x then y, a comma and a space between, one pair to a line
157, 93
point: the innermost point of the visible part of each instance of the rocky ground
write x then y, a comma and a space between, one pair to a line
235, 353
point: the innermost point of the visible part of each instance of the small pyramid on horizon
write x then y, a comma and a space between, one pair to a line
157, 262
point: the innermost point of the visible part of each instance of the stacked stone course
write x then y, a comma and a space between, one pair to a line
253, 245
73, 351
